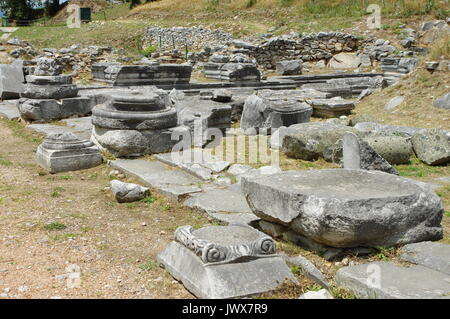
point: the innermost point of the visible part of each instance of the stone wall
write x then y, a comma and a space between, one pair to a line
309, 47
194, 37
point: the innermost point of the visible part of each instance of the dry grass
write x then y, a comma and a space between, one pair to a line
420, 89
441, 49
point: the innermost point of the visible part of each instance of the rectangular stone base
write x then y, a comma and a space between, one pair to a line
331, 112
220, 281
56, 161
48, 110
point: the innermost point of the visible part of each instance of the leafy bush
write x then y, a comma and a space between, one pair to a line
147, 52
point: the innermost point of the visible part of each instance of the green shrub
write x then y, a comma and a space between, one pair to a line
147, 52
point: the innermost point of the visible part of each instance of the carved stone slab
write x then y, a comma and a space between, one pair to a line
225, 244
63, 152
225, 261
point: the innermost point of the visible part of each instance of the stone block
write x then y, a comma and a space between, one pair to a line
63, 152
219, 262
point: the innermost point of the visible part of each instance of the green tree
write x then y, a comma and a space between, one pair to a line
21, 9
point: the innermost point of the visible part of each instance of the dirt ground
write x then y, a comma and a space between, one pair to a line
55, 226
115, 245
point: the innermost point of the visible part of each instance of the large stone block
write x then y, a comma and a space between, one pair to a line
11, 80
132, 143
311, 141
269, 110
432, 147
331, 108
443, 102
136, 123
428, 254
47, 110
63, 152
347, 208
219, 262
290, 67
164, 74
357, 154
56, 92
384, 280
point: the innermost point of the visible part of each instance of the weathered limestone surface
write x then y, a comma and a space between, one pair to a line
269, 109
128, 192
347, 208
11, 80
176, 184
432, 147
216, 203
235, 70
164, 74
311, 141
63, 152
330, 108
222, 95
394, 103
289, 67
443, 102
195, 161
224, 261
134, 124
428, 254
345, 61
50, 109
48, 95
80, 127
358, 154
193, 111
349, 86
9, 110
396, 282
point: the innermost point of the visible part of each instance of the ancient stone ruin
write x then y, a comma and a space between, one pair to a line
271, 109
64, 152
325, 207
154, 74
210, 261
49, 95
135, 123
270, 149
235, 68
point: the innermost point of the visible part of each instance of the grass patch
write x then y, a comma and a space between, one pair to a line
418, 169
165, 207
148, 200
55, 226
149, 265
64, 236
57, 192
19, 130
131, 205
5, 162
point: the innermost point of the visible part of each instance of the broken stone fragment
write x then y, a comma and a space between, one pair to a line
431, 147
358, 154
321, 294
47, 67
345, 208
127, 192
222, 96
225, 261
63, 152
